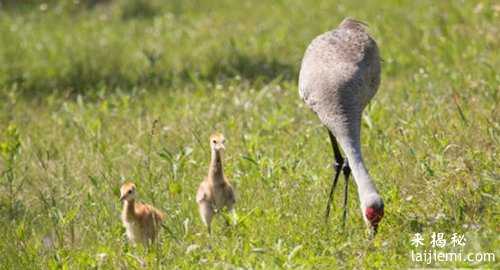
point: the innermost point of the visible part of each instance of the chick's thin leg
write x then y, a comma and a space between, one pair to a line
206, 213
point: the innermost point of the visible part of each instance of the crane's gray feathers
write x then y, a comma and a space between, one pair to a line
339, 75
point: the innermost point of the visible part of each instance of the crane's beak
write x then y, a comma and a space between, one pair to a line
373, 231
122, 198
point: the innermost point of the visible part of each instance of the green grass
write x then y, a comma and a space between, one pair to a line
93, 94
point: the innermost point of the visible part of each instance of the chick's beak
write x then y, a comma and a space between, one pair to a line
122, 198
221, 147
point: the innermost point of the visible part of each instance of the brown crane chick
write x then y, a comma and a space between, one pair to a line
141, 221
215, 192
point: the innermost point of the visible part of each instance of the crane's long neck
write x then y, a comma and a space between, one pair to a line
129, 208
215, 171
352, 150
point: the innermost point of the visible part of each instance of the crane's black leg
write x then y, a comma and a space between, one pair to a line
347, 171
337, 165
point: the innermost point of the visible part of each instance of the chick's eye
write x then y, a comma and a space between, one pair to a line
214, 141
130, 192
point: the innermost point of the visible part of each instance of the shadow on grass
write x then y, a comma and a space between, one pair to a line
83, 78
250, 68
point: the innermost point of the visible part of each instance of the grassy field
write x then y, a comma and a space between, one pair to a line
92, 94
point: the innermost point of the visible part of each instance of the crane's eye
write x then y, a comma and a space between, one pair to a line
214, 141
130, 192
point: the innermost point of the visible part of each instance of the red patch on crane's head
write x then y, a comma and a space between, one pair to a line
374, 215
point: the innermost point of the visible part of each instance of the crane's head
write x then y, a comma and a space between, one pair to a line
373, 211
217, 141
127, 192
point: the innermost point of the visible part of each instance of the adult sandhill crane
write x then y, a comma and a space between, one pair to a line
215, 192
141, 221
340, 73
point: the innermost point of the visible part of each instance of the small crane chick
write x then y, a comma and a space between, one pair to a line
141, 221
215, 192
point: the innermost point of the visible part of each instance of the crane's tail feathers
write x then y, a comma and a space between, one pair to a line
351, 21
